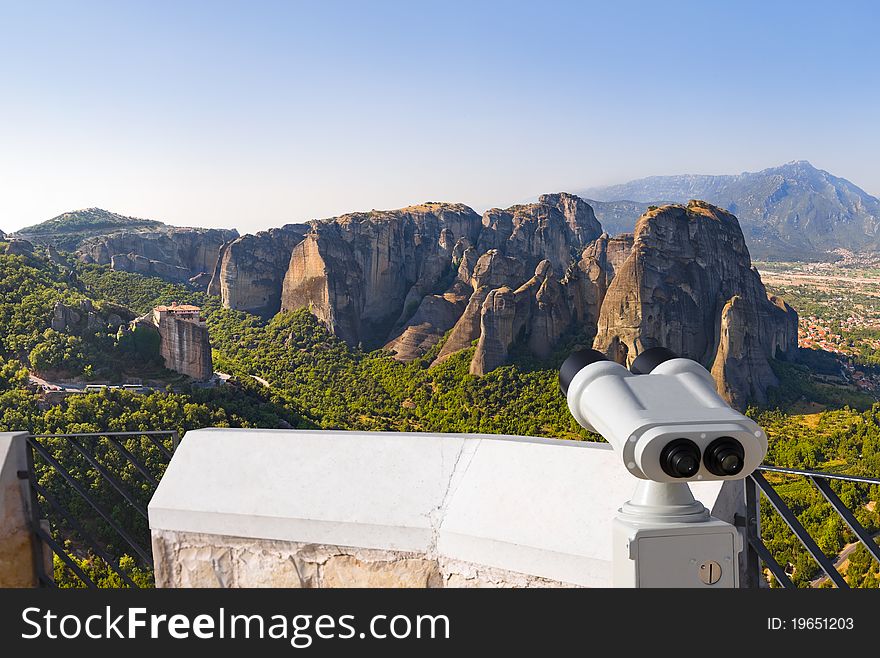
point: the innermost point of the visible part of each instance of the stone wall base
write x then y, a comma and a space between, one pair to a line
185, 559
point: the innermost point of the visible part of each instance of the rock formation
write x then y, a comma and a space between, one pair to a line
362, 274
19, 248
436, 313
184, 343
522, 278
324, 276
546, 315
138, 264
249, 271
86, 317
170, 252
553, 229
537, 313
688, 285
492, 270
587, 281
56, 258
498, 328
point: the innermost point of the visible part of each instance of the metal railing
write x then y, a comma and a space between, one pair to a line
89, 494
757, 551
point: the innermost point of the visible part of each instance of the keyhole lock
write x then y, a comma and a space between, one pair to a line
710, 572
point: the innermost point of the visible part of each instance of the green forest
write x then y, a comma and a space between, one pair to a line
316, 380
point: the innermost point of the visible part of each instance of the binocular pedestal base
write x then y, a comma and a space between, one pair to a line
663, 537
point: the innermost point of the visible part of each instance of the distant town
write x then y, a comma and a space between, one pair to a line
839, 305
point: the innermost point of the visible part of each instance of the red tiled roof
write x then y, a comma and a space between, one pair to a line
178, 307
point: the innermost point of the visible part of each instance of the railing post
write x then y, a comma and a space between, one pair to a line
751, 575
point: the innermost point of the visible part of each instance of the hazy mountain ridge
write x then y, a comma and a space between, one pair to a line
794, 211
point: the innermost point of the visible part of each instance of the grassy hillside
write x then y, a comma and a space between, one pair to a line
67, 230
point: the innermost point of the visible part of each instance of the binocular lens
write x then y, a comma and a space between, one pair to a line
680, 458
724, 456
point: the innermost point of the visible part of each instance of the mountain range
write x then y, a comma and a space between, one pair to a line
791, 212
435, 279
431, 280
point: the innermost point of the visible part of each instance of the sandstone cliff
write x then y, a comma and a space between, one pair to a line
363, 274
138, 264
587, 281
553, 229
523, 278
184, 344
436, 313
192, 249
249, 270
492, 270
537, 313
688, 285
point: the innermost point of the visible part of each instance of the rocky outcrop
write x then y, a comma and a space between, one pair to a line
537, 313
324, 277
56, 258
363, 274
184, 345
19, 248
169, 250
138, 264
543, 237
250, 270
555, 229
741, 369
688, 285
587, 281
86, 317
545, 309
436, 313
492, 270
498, 328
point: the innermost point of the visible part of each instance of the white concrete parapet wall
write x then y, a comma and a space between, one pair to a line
329, 508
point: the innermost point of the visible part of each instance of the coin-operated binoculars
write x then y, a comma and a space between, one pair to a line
669, 427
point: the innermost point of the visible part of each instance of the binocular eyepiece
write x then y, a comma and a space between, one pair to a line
669, 426
643, 365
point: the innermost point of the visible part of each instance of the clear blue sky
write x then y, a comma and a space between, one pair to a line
253, 114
